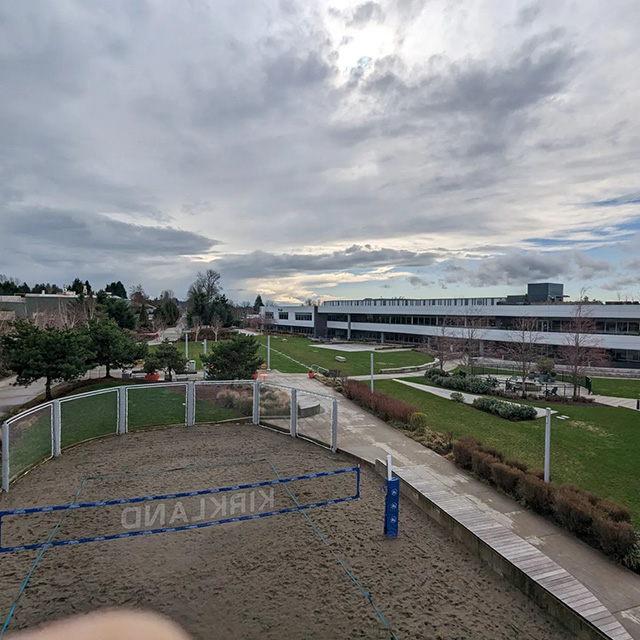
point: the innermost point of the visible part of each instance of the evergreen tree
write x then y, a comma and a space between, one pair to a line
77, 286
50, 353
258, 303
120, 311
111, 346
116, 289
233, 359
169, 358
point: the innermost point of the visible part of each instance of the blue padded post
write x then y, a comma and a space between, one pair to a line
392, 508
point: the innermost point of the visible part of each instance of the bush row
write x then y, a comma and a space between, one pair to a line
602, 524
457, 383
385, 407
507, 410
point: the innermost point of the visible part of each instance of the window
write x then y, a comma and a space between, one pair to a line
303, 316
283, 315
268, 315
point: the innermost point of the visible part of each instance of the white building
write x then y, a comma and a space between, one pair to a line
616, 325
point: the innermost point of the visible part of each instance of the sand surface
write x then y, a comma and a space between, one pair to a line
265, 578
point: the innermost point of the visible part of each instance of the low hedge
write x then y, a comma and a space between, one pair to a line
601, 523
385, 407
506, 410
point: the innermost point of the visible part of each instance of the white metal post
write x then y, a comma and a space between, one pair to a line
191, 403
5, 456
389, 468
372, 372
256, 402
334, 427
204, 345
122, 411
547, 445
268, 352
294, 413
56, 428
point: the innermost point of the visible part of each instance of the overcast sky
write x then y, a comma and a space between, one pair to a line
418, 148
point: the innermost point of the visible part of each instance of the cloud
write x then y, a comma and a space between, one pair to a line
365, 13
415, 131
519, 268
417, 281
629, 198
268, 265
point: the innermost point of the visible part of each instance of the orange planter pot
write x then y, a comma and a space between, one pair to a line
152, 377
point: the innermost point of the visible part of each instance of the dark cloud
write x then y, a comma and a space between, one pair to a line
263, 264
518, 268
365, 13
417, 281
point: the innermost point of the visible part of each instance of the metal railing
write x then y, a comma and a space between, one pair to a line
43, 432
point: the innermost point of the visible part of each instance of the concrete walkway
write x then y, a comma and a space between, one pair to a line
467, 397
603, 592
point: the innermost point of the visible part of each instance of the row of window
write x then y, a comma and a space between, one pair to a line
620, 327
401, 302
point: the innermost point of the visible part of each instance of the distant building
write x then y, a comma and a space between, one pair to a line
402, 320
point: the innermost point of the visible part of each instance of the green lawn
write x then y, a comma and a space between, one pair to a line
616, 387
597, 448
307, 353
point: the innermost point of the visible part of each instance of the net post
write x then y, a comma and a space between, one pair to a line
123, 399
256, 402
5, 456
294, 413
391, 503
191, 403
56, 428
334, 426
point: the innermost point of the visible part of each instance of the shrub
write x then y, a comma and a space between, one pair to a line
535, 493
506, 477
462, 450
429, 374
481, 463
496, 453
438, 442
419, 423
614, 511
456, 396
506, 410
517, 464
616, 539
385, 407
574, 511
537, 473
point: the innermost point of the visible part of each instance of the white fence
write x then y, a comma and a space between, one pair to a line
38, 434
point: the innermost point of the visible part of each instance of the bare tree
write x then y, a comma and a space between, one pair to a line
267, 322
216, 325
207, 283
523, 347
196, 325
471, 339
443, 344
581, 349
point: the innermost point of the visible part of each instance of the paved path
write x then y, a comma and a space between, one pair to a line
604, 592
467, 397
627, 403
11, 396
